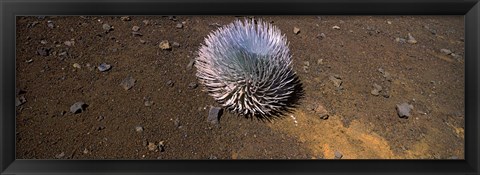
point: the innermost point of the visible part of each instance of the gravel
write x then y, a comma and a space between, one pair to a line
128, 83
43, 51
214, 115
170, 83
446, 51
296, 30
152, 147
411, 39
321, 112
338, 155
106, 27
337, 82
20, 100
165, 45
179, 26
376, 89
104, 67
139, 129
135, 28
192, 85
403, 110
78, 107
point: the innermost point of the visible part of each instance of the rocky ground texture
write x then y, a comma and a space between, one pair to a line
124, 87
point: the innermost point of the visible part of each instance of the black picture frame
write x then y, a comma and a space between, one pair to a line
10, 9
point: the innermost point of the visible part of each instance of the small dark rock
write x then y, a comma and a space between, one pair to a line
192, 85
176, 122
134, 33
214, 115
170, 83
78, 107
128, 83
104, 67
125, 18
43, 51
59, 156
20, 100
403, 110
50, 24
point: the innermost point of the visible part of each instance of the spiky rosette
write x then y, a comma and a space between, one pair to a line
246, 67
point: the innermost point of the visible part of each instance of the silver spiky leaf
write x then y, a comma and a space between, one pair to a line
246, 67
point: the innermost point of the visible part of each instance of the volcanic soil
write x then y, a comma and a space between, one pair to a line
354, 71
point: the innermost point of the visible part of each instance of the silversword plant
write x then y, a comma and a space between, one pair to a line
246, 67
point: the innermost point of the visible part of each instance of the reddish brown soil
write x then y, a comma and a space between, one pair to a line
360, 125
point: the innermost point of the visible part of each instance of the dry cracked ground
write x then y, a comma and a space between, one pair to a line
140, 101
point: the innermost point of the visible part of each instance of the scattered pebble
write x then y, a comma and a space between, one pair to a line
78, 107
176, 122
322, 112
138, 128
214, 115
143, 41
50, 24
106, 27
170, 83
411, 39
376, 89
321, 35
446, 51
43, 42
85, 151
125, 18
69, 43
386, 74
306, 66
128, 83
59, 156
151, 146
20, 100
296, 30
148, 103
104, 67
176, 44
336, 27
135, 33
76, 65
135, 28
337, 81
338, 155
146, 22
192, 85
400, 40
165, 45
43, 51
161, 146
389, 22
179, 26
403, 110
